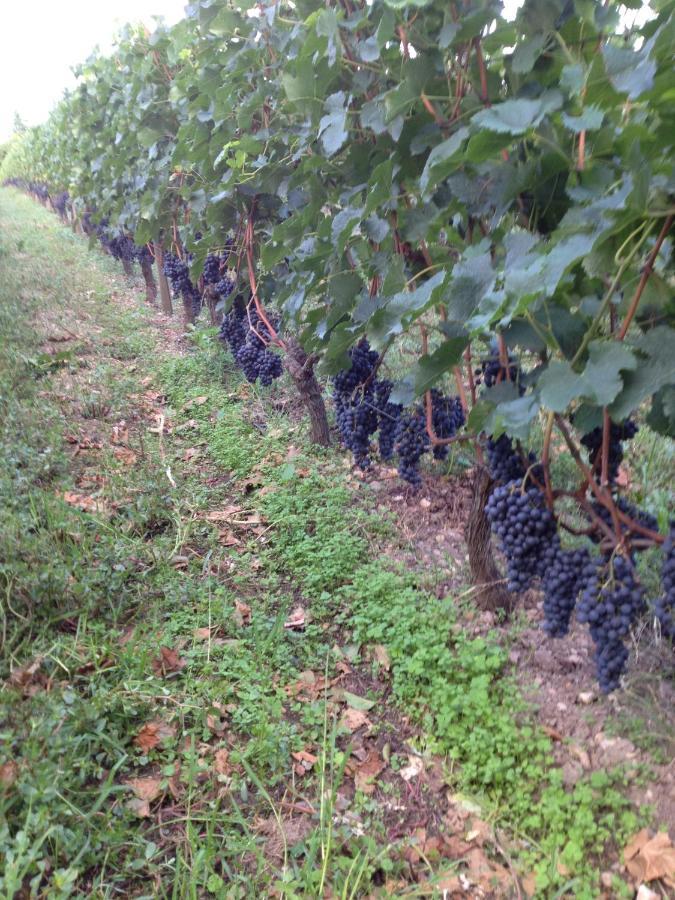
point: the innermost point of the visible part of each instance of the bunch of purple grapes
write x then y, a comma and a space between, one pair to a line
248, 339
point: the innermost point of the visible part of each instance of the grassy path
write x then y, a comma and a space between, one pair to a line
215, 681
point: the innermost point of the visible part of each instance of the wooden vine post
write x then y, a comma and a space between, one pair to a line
164, 289
148, 277
491, 592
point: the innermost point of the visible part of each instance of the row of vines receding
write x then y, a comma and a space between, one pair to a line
461, 220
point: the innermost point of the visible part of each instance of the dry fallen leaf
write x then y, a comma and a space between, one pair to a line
220, 762
353, 719
366, 773
24, 675
9, 772
167, 662
83, 502
414, 768
125, 455
297, 619
304, 761
242, 613
655, 858
202, 634
222, 515
382, 656
120, 433
146, 788
152, 734
228, 538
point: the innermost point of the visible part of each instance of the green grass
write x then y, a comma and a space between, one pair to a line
94, 595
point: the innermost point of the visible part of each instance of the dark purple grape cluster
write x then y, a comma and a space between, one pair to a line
504, 463
178, 274
247, 337
618, 433
447, 417
411, 443
611, 602
224, 286
492, 372
665, 605
143, 255
561, 583
211, 270
356, 413
61, 203
526, 530
388, 414
121, 246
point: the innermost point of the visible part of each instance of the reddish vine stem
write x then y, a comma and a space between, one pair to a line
606, 437
275, 339
646, 272
581, 151
482, 72
546, 462
603, 495
459, 381
404, 41
503, 357
469, 366
431, 109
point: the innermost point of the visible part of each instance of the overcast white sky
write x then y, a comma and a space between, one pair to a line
40, 41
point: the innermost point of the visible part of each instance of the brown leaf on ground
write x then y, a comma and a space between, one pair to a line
145, 791
168, 662
202, 634
366, 772
222, 515
414, 768
242, 613
9, 772
127, 635
381, 654
479, 832
304, 762
191, 453
296, 620
220, 762
216, 718
282, 835
228, 538
125, 455
84, 502
353, 719
487, 873
145, 788
553, 733
120, 433
635, 844
529, 883
26, 675
152, 734
654, 858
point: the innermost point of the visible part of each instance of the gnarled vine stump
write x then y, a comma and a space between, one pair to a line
492, 594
